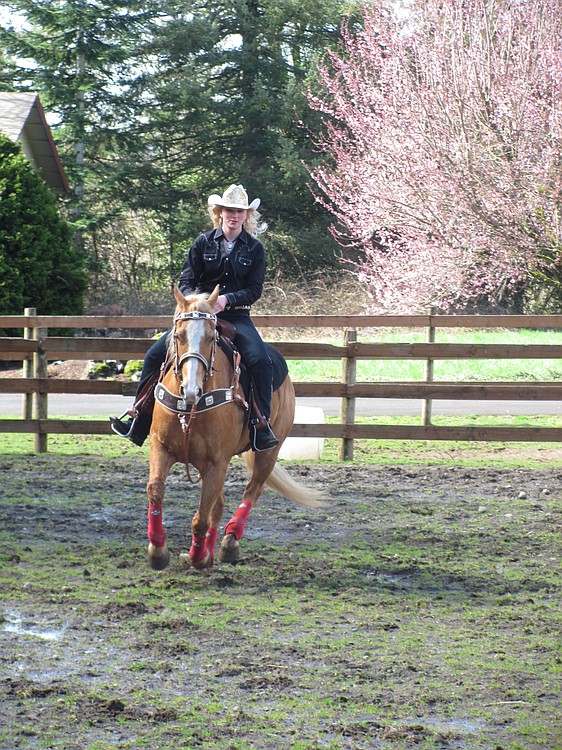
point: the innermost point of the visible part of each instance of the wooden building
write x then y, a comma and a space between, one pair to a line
22, 119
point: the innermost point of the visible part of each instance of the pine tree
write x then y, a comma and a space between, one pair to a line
157, 104
80, 56
226, 88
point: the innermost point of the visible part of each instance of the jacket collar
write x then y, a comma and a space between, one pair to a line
243, 236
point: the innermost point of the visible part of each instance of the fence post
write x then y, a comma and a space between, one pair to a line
41, 399
347, 406
426, 407
27, 400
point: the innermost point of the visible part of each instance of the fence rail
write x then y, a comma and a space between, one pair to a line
36, 348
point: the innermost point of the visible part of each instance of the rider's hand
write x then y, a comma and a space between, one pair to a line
221, 303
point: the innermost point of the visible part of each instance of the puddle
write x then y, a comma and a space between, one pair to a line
114, 516
15, 624
108, 515
392, 580
458, 725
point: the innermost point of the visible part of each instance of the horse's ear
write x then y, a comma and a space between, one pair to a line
214, 296
178, 295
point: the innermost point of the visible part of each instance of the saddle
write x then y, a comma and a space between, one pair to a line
144, 403
227, 332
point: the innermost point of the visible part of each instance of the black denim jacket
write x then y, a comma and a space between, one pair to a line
240, 274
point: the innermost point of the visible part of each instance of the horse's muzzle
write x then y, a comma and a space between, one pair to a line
191, 395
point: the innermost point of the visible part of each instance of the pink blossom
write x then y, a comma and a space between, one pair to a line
442, 149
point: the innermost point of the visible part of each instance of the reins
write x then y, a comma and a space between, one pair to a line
186, 428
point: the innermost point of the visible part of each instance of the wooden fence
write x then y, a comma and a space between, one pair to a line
96, 342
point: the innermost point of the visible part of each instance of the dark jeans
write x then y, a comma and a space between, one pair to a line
254, 355
153, 359
248, 342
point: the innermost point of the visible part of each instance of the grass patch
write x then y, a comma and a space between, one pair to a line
419, 610
474, 370
385, 452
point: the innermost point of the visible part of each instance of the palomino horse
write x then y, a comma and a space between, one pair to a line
200, 420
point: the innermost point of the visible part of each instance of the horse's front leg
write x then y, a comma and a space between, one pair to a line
263, 464
206, 521
161, 462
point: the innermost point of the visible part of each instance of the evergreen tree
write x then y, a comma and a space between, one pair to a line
226, 86
39, 266
80, 56
158, 104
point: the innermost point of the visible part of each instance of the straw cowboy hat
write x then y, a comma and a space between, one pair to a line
234, 197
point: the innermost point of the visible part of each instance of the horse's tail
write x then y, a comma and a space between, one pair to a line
282, 482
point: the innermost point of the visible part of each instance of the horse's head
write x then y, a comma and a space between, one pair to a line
193, 341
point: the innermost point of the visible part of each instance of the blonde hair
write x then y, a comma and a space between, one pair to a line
252, 223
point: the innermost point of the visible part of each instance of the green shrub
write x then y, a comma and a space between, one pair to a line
133, 369
39, 266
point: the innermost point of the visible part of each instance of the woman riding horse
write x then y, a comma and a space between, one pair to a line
200, 420
230, 256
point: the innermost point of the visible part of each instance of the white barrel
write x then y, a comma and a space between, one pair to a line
304, 447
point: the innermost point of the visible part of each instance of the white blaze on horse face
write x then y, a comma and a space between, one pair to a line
193, 371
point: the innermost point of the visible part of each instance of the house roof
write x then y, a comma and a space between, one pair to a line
23, 120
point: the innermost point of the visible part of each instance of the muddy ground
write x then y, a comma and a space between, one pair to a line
419, 610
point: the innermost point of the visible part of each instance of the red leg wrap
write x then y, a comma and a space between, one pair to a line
211, 542
237, 523
198, 551
156, 533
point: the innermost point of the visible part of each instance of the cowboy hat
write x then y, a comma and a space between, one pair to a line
234, 197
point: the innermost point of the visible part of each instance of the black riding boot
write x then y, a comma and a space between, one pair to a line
263, 437
131, 426
134, 424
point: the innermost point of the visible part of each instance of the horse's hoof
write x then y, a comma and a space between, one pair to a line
205, 564
187, 562
229, 551
158, 557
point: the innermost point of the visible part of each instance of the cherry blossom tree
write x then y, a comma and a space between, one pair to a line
441, 152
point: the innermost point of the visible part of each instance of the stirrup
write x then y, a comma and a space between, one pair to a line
266, 433
121, 428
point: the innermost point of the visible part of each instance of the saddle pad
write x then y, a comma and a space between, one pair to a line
280, 369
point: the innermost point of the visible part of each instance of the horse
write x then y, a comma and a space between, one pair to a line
200, 419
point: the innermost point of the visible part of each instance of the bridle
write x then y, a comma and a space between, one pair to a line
179, 361
211, 399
